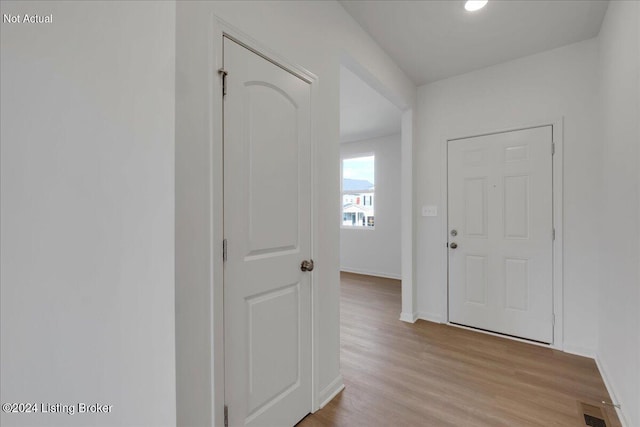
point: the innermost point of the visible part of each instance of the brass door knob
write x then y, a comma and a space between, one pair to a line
453, 245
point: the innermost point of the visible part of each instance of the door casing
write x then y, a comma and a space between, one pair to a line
223, 29
557, 159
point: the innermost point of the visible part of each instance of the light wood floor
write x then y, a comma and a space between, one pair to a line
427, 374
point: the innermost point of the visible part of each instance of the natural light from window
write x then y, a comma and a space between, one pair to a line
358, 192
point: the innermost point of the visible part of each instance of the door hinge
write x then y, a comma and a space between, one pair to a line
224, 250
553, 148
553, 319
223, 73
553, 234
226, 416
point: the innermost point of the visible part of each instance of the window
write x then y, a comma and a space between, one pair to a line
358, 192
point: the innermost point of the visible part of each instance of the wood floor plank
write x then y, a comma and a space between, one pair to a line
428, 374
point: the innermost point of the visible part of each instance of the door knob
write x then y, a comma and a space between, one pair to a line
306, 265
453, 245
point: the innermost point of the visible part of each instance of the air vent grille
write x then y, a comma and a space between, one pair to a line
594, 416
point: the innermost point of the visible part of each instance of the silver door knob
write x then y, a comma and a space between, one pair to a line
306, 265
453, 245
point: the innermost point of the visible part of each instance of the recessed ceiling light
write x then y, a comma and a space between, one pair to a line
473, 5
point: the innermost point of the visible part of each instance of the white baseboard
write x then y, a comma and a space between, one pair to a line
607, 383
430, 317
579, 350
372, 273
409, 317
330, 391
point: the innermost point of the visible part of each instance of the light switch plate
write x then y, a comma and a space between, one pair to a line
430, 210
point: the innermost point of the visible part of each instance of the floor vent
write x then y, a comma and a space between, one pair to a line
594, 416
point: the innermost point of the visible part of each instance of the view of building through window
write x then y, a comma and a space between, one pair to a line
358, 188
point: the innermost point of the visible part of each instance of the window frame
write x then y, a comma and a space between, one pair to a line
343, 193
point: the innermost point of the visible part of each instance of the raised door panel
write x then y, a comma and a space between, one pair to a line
516, 207
475, 207
516, 284
274, 352
273, 182
476, 279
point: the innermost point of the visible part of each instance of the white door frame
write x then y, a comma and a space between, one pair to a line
558, 162
408, 289
220, 30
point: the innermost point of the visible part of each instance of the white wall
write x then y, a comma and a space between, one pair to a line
87, 241
376, 251
558, 83
314, 35
619, 318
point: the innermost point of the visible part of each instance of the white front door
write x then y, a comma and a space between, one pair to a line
501, 233
267, 226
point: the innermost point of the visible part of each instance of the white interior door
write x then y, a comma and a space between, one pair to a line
267, 225
500, 191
